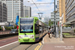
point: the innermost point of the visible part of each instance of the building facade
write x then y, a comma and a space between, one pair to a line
70, 12
3, 12
62, 10
52, 16
13, 5
57, 5
27, 11
0, 11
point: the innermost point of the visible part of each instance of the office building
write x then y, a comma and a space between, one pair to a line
13, 5
57, 5
52, 16
3, 12
27, 11
0, 11
70, 12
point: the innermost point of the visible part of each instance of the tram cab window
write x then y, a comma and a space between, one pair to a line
26, 25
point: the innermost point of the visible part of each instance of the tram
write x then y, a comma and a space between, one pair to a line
30, 29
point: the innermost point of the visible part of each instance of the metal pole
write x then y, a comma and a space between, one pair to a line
60, 31
19, 8
12, 10
5, 2
54, 18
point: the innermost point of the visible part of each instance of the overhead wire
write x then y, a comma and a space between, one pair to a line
39, 3
36, 5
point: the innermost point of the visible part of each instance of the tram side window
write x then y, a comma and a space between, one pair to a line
40, 29
36, 29
43, 29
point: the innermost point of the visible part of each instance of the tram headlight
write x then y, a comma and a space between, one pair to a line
32, 36
20, 37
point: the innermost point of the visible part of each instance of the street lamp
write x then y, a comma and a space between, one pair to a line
12, 10
19, 7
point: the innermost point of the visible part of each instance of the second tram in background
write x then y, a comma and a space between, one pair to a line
31, 29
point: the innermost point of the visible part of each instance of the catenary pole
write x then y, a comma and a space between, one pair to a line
19, 8
55, 17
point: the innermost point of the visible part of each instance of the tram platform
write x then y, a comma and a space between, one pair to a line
55, 44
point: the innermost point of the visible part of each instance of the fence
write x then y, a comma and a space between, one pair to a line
4, 32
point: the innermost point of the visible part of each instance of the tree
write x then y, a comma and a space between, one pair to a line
50, 23
26, 16
0, 28
8, 28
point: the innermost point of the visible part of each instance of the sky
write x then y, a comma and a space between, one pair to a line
46, 9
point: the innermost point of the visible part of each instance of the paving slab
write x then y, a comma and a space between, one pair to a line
55, 43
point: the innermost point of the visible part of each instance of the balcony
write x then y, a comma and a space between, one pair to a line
69, 3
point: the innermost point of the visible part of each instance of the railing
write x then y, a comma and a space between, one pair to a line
4, 32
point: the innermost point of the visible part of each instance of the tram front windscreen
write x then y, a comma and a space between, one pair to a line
26, 25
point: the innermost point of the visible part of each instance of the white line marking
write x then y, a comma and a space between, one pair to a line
43, 41
8, 44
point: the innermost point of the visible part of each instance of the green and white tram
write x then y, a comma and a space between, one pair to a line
30, 29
